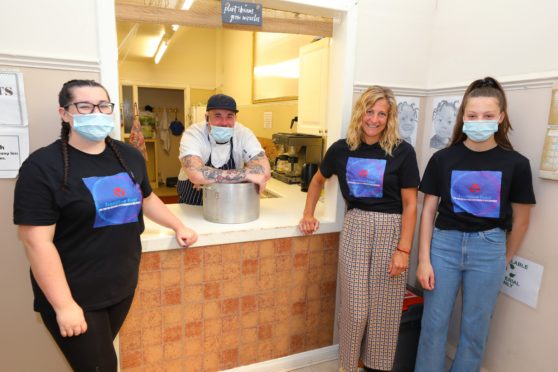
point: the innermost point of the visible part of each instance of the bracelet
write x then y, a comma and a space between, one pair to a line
403, 251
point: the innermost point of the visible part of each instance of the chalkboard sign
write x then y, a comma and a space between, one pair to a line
237, 12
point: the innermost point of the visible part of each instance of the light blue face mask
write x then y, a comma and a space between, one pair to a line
221, 134
480, 130
94, 127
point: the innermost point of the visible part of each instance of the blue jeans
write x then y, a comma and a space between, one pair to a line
476, 262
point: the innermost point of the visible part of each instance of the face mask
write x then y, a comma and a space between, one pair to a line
221, 134
480, 130
94, 127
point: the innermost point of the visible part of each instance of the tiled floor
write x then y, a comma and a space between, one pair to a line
331, 366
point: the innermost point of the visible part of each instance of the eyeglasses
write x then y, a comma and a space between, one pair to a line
88, 108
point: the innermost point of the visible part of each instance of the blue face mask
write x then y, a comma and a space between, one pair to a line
94, 127
221, 134
480, 130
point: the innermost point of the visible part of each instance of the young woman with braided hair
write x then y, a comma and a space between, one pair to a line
79, 205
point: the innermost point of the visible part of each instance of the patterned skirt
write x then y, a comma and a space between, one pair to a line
371, 301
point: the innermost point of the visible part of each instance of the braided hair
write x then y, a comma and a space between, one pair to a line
65, 98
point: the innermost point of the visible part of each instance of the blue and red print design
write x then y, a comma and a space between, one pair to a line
117, 199
476, 192
365, 177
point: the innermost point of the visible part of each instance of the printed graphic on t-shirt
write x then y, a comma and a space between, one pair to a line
365, 177
117, 199
476, 192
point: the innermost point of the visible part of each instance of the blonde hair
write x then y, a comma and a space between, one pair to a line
389, 138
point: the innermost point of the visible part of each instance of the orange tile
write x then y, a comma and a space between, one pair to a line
193, 312
231, 253
265, 332
283, 246
150, 262
267, 266
193, 364
150, 299
131, 359
282, 297
193, 346
171, 334
298, 293
325, 336
328, 288
153, 354
130, 341
266, 248
266, 300
149, 281
193, 276
231, 270
331, 257
172, 365
211, 343
212, 291
298, 324
300, 260
193, 258
281, 346
248, 303
172, 296
232, 288
281, 328
312, 321
312, 339
228, 358
249, 285
212, 310
329, 272
283, 263
266, 316
212, 255
230, 339
229, 306
313, 291
132, 323
266, 283
313, 307
151, 318
331, 241
249, 250
301, 244
316, 243
193, 329
248, 320
282, 312
327, 305
249, 267
230, 323
213, 271
157, 367
171, 259
298, 308
212, 327
151, 336
299, 277
265, 350
297, 343
172, 314
249, 335
316, 260
171, 277
247, 354
315, 275
211, 361
194, 293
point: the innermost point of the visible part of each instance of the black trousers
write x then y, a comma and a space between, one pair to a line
92, 351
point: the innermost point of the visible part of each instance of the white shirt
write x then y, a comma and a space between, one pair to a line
197, 141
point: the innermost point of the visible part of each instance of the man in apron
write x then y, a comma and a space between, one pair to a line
219, 150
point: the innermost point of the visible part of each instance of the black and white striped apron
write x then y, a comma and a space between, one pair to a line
186, 191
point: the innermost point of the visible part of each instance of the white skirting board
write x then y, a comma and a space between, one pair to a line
291, 362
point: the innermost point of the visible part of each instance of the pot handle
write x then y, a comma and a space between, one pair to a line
211, 188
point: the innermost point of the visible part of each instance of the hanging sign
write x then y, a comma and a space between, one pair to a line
523, 280
12, 99
237, 12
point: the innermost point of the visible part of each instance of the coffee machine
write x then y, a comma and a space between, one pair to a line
294, 150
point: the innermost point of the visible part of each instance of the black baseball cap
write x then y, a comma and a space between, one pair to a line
221, 101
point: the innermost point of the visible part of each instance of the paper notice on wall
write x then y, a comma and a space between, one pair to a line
13, 111
523, 280
14, 149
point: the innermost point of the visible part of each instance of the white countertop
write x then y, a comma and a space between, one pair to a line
279, 218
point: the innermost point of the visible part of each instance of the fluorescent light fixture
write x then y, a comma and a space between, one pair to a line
160, 51
287, 69
187, 4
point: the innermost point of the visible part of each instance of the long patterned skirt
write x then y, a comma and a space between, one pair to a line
371, 301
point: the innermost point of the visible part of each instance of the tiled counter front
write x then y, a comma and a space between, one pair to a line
218, 307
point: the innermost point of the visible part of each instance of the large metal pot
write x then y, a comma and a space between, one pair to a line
231, 202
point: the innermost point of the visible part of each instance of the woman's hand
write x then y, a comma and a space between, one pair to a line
425, 275
71, 320
399, 263
185, 236
308, 225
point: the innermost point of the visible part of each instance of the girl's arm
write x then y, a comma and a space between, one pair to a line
400, 258
158, 212
309, 224
48, 272
520, 223
425, 273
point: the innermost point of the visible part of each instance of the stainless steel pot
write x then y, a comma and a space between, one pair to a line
231, 202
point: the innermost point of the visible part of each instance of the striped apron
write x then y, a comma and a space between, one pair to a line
186, 191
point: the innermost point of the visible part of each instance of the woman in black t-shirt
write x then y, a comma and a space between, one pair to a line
482, 193
79, 203
378, 176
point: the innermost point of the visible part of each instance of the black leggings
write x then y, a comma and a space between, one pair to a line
92, 351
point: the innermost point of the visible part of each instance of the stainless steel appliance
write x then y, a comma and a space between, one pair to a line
295, 150
231, 202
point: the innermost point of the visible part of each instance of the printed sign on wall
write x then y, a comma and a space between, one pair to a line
12, 99
236, 12
523, 280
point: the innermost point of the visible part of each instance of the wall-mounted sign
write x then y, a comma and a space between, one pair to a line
237, 12
14, 149
12, 99
523, 280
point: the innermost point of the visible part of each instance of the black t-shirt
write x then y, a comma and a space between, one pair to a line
476, 189
98, 219
370, 179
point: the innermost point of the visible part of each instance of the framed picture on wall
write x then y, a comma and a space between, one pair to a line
275, 66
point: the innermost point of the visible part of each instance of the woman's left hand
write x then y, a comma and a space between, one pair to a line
185, 236
399, 263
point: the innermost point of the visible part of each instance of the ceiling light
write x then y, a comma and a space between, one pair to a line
175, 27
187, 4
160, 51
